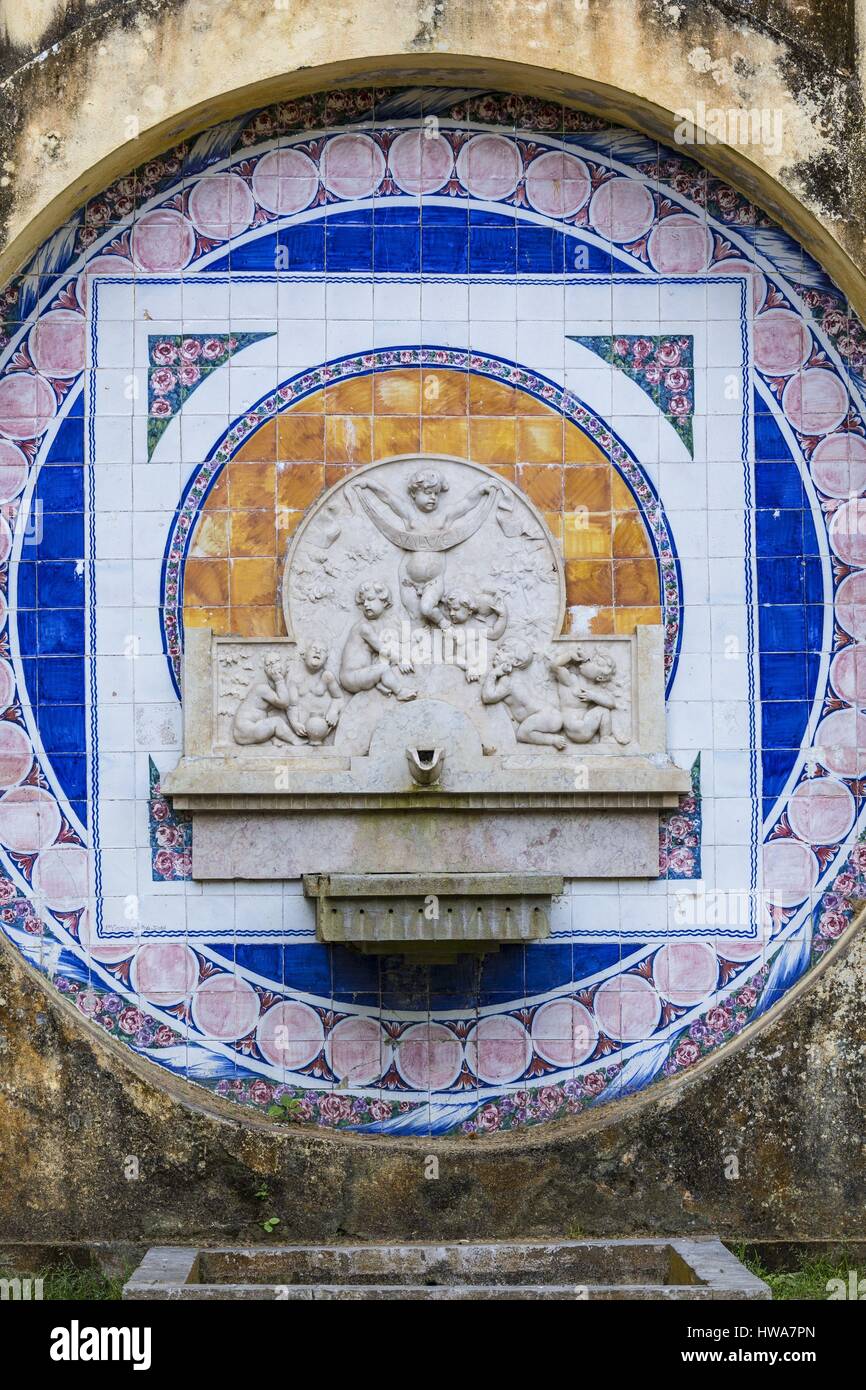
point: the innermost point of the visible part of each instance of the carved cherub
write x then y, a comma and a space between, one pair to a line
257, 717
509, 681
462, 606
425, 536
585, 703
315, 698
367, 663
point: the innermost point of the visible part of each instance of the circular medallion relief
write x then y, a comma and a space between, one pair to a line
435, 560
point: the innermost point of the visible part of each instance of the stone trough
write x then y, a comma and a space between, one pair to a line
699, 1270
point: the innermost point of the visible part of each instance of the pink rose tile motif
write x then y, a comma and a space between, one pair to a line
680, 834
661, 366
177, 365
170, 836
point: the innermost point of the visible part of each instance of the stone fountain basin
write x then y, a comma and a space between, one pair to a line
698, 1270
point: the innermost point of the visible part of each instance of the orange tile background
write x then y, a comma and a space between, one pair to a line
232, 575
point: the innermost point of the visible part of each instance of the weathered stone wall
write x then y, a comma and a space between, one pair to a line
788, 1104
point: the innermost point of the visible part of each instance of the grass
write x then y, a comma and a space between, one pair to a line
66, 1282
808, 1282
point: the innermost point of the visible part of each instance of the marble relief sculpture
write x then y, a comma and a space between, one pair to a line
422, 568
315, 697
367, 626
585, 681
263, 712
537, 720
367, 662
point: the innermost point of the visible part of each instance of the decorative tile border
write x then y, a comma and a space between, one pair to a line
801, 368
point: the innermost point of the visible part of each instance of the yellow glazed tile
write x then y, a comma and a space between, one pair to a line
540, 441
629, 535
256, 621
301, 438
588, 488
254, 533
352, 397
211, 536
397, 393
589, 583
627, 619
542, 485
396, 434
299, 484
251, 486
206, 583
348, 439
579, 448
636, 583
261, 447
445, 437
493, 439
444, 392
253, 582
586, 535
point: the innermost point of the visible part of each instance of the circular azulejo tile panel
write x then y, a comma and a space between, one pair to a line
617, 334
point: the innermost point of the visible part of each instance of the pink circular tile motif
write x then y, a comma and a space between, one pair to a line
57, 343
5, 540
815, 401
840, 742
740, 948
851, 605
622, 210
100, 265
790, 872
29, 819
848, 532
60, 877
290, 1035
16, 753
285, 181
499, 1049
558, 184
627, 1008
839, 465
848, 675
429, 1057
352, 166
420, 163
13, 470
162, 240
225, 1007
782, 342
490, 166
221, 206
680, 245
821, 811
164, 972
564, 1032
356, 1050
685, 972
7, 685
27, 405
